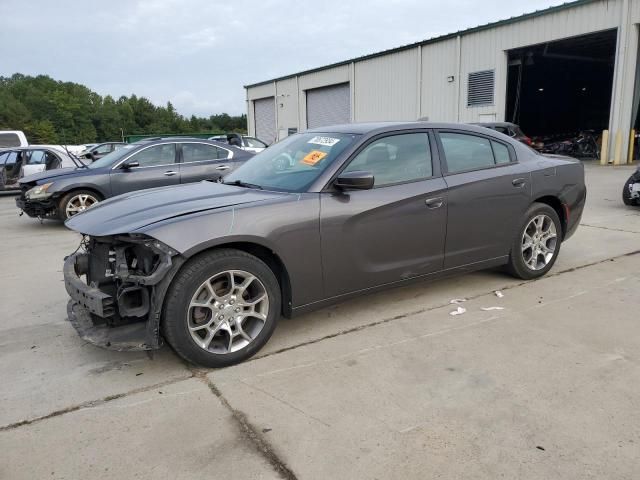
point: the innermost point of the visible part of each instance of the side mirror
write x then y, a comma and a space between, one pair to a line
130, 164
359, 180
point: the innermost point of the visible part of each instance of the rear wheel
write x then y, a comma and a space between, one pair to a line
75, 202
221, 308
537, 243
626, 192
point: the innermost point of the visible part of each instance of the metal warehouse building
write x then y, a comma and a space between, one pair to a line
564, 69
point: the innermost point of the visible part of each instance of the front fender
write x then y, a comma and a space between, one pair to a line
65, 188
289, 229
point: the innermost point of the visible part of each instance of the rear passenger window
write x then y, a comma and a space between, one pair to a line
466, 152
197, 152
395, 159
501, 152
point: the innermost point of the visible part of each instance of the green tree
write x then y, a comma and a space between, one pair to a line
51, 111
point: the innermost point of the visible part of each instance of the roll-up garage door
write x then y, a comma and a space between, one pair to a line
265, 115
328, 106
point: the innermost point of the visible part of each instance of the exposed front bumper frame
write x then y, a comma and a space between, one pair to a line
37, 208
88, 301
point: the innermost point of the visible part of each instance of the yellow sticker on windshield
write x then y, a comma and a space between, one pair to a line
313, 157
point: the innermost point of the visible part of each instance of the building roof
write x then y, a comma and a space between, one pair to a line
439, 38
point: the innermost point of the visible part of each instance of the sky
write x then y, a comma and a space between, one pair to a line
198, 54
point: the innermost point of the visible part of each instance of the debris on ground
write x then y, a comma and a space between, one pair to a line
488, 309
499, 294
458, 311
456, 301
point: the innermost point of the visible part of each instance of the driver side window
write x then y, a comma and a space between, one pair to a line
395, 159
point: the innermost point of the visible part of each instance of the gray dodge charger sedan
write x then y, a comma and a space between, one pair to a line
314, 219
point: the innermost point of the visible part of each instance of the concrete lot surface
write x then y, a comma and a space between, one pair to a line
385, 386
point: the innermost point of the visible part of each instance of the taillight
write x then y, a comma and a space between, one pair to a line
527, 140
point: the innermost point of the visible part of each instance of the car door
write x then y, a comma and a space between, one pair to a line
203, 161
34, 162
488, 192
157, 167
392, 232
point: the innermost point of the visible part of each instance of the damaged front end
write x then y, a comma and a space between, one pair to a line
117, 285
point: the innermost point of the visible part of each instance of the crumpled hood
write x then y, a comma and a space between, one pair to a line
51, 174
132, 211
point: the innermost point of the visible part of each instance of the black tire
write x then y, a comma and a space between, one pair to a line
517, 265
185, 285
626, 193
64, 201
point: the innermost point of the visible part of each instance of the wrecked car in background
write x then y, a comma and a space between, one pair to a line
211, 267
145, 164
16, 163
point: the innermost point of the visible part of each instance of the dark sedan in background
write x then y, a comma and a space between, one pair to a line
99, 150
146, 164
510, 129
359, 207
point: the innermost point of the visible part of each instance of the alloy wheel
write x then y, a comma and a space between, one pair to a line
539, 242
79, 203
227, 312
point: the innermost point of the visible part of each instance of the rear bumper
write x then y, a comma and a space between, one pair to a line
575, 215
39, 208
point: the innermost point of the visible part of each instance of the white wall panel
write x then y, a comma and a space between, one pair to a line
413, 83
261, 91
438, 98
385, 87
286, 104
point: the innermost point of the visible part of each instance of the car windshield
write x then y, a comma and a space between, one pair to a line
293, 164
113, 157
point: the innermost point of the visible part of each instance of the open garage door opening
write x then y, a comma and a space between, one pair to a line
562, 90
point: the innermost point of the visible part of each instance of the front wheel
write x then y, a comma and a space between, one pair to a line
537, 243
75, 202
221, 308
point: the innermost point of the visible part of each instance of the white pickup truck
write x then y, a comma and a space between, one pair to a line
12, 138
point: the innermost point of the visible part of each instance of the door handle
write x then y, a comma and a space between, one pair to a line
434, 202
223, 167
518, 182
170, 173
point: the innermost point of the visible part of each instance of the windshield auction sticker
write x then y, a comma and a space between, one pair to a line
313, 157
326, 141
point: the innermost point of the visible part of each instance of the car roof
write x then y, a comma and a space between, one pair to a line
381, 127
158, 140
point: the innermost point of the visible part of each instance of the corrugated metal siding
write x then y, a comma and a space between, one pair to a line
438, 97
265, 115
287, 105
262, 91
328, 106
385, 88
322, 78
487, 49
